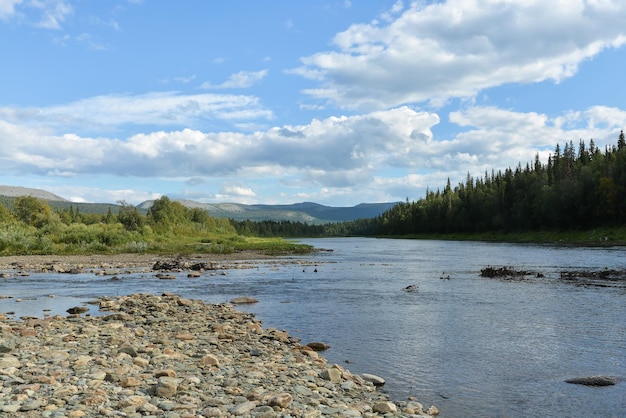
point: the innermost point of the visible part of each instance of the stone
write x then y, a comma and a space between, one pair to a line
332, 375
129, 381
433, 411
243, 300
372, 378
77, 310
8, 361
128, 350
31, 405
167, 387
281, 400
10, 408
318, 346
243, 408
210, 360
384, 407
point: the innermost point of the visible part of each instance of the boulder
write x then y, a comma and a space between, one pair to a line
318, 346
77, 310
243, 300
375, 380
384, 407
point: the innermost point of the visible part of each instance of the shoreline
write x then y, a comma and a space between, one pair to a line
168, 356
43, 263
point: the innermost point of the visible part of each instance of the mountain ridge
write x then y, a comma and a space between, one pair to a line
306, 212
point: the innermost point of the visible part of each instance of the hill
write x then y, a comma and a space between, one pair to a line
308, 212
312, 213
16, 191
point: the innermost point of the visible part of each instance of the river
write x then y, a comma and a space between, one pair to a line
470, 345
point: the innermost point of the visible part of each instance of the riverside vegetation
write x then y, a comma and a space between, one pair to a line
29, 226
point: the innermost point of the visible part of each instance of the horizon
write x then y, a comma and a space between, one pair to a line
335, 103
195, 201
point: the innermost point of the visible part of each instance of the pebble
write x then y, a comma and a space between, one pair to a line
162, 355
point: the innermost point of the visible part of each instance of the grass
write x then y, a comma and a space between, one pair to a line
80, 239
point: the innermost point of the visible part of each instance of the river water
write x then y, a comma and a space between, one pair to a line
470, 345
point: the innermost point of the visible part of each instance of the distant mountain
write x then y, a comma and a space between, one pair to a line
312, 213
16, 191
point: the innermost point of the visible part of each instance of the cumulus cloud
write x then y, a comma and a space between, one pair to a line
458, 47
347, 156
240, 80
335, 145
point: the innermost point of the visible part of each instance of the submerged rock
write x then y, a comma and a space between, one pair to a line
77, 310
594, 380
411, 288
243, 300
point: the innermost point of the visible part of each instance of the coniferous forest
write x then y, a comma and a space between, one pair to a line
579, 188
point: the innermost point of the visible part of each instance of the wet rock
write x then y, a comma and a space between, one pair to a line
318, 346
594, 380
375, 380
77, 310
411, 288
243, 300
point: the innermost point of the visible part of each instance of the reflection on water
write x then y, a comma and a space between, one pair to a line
470, 345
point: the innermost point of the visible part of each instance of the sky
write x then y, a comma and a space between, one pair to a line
338, 102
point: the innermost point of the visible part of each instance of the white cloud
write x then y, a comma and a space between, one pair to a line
53, 12
240, 80
7, 8
378, 156
103, 113
459, 47
344, 147
237, 190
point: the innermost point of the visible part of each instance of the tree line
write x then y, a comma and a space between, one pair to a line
579, 188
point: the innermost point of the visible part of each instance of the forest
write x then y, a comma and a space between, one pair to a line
579, 188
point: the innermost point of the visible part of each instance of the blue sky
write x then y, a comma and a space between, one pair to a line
335, 102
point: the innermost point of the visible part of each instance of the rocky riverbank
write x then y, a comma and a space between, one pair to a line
166, 356
67, 263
